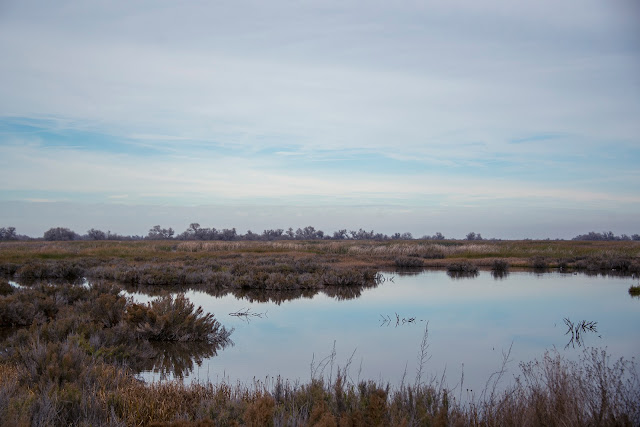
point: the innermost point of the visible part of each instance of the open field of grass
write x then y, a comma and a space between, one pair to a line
623, 255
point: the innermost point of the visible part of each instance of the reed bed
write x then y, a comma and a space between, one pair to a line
82, 390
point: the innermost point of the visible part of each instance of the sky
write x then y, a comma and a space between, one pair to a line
511, 119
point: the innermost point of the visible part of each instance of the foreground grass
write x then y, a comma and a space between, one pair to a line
61, 385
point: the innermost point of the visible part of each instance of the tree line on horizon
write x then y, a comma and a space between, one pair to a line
196, 232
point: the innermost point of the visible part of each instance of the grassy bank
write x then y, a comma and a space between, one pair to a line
299, 264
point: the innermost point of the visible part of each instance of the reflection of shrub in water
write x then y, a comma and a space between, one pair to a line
577, 330
463, 270
499, 268
457, 275
177, 358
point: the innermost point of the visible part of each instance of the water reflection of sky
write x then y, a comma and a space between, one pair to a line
471, 321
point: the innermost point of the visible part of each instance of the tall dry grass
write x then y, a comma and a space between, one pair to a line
60, 383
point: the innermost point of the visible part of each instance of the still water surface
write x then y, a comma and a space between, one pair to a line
471, 322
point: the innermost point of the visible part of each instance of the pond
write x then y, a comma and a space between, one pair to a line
470, 323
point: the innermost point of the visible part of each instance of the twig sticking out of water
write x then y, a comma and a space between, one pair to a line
387, 320
381, 278
246, 314
577, 329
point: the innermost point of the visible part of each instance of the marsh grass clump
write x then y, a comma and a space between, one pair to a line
174, 319
462, 267
604, 262
38, 270
539, 263
634, 291
409, 262
107, 325
500, 265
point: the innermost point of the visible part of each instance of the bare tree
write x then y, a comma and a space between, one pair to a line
8, 233
94, 234
159, 233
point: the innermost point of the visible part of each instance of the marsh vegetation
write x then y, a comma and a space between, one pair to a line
78, 338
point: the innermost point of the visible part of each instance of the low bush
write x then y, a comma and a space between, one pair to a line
500, 265
539, 263
463, 267
409, 262
174, 319
51, 270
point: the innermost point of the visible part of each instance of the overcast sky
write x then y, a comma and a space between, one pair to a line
512, 119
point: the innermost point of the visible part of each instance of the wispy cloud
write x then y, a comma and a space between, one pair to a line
356, 101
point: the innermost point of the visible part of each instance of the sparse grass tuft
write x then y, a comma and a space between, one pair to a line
539, 263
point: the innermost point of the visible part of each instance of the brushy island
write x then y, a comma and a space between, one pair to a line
69, 352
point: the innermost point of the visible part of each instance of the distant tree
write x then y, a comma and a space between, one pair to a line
193, 229
362, 234
8, 233
159, 233
438, 236
290, 233
228, 234
272, 234
59, 233
471, 236
195, 232
94, 234
340, 235
250, 235
606, 235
